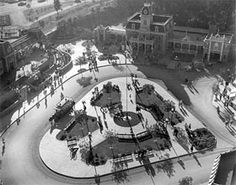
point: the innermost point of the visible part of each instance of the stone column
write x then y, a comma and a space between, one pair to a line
209, 52
221, 51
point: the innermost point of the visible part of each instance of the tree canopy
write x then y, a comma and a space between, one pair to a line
57, 5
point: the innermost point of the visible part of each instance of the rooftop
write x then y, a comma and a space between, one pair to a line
5, 20
220, 37
156, 18
188, 36
191, 30
226, 173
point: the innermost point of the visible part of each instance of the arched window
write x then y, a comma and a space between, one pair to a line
133, 26
156, 29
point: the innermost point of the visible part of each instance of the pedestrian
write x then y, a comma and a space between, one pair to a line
3, 146
186, 80
102, 109
55, 83
84, 107
146, 123
191, 148
18, 121
143, 125
175, 132
106, 125
180, 104
62, 96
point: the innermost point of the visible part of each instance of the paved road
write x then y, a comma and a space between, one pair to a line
205, 111
21, 164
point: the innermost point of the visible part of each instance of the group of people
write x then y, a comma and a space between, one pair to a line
93, 63
225, 99
135, 82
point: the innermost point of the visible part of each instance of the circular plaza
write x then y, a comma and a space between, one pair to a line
120, 123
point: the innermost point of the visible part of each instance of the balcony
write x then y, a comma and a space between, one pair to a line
139, 40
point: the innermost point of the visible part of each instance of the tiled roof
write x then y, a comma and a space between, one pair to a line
160, 18
136, 17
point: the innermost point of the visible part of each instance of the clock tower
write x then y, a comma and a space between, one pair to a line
146, 17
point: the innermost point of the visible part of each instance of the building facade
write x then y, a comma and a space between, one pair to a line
156, 34
11, 52
147, 32
217, 46
7, 57
9, 32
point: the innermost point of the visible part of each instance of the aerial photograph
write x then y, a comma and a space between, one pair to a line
117, 92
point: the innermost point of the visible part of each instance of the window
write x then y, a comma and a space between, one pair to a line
185, 46
156, 29
193, 47
177, 45
170, 45
145, 22
133, 26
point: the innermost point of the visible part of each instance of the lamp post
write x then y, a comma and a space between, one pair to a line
112, 151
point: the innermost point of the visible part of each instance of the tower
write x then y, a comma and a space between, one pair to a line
146, 16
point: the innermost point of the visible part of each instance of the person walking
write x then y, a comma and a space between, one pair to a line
62, 96
218, 110
3, 146
180, 104
191, 148
18, 121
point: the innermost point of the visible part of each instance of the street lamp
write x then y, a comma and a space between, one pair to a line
112, 151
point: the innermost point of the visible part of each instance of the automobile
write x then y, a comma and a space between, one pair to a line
22, 3
40, 1
77, 1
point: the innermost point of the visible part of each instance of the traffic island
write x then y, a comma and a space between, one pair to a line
106, 134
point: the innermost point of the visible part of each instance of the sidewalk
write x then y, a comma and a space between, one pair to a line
78, 50
226, 112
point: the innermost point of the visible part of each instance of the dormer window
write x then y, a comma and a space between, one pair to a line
133, 26
156, 29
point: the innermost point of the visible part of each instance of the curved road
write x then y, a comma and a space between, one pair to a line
21, 163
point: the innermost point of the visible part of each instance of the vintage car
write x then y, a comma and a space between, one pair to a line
63, 107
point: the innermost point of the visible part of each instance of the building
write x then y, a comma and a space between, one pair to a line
109, 34
224, 169
200, 42
150, 33
217, 46
5, 20
147, 32
9, 32
7, 57
11, 52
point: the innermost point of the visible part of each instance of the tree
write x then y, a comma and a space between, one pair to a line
57, 5
186, 181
